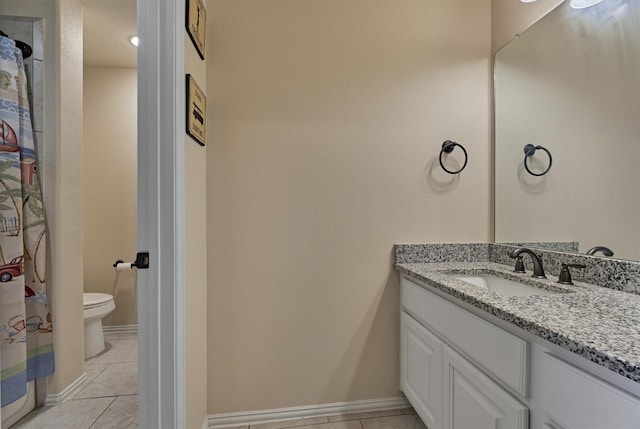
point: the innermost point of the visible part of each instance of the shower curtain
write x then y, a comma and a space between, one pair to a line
26, 339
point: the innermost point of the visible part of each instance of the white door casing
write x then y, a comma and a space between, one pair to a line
161, 309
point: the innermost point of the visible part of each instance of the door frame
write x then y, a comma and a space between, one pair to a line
161, 309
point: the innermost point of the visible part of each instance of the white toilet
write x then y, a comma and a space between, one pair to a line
96, 306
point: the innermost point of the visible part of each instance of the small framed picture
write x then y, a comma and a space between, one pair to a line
196, 24
196, 111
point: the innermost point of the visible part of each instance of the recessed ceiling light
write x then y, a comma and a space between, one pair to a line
527, 1
581, 4
134, 40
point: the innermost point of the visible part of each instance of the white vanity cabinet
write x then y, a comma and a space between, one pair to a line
574, 399
461, 371
446, 389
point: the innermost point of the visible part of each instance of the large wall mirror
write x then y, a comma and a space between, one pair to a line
571, 84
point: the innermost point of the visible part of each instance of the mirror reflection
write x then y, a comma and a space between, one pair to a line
571, 84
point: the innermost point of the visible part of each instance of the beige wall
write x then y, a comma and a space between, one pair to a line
195, 193
66, 233
512, 17
328, 117
110, 191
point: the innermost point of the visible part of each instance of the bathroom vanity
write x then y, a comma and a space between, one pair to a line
561, 356
547, 357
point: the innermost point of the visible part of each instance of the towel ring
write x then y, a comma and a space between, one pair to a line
447, 147
529, 150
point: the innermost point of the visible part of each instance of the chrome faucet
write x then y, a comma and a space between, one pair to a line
538, 270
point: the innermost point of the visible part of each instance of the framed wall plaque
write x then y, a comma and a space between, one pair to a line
196, 24
196, 111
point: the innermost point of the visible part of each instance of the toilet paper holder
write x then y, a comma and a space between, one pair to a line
141, 262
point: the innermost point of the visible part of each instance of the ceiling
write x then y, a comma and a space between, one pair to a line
108, 24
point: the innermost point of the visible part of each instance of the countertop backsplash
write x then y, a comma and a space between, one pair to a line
611, 273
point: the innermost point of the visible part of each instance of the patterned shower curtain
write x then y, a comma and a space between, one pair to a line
26, 339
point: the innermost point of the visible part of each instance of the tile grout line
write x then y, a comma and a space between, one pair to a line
88, 383
103, 396
103, 411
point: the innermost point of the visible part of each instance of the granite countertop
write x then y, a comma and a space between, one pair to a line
597, 323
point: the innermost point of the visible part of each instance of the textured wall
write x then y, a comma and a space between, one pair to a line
109, 192
66, 233
328, 117
195, 193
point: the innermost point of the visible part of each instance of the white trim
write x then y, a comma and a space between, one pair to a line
68, 392
161, 361
120, 329
227, 420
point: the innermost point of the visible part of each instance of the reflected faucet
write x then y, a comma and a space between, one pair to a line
538, 270
605, 251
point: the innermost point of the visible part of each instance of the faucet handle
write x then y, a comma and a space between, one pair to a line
565, 274
519, 268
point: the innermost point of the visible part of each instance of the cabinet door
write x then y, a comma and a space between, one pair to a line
421, 370
473, 400
575, 399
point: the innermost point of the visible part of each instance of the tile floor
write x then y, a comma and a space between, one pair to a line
108, 398
389, 419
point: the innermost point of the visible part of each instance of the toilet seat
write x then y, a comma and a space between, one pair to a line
93, 300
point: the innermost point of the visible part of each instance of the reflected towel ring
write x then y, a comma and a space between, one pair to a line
447, 147
529, 150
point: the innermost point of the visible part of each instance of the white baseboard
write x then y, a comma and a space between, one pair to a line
69, 391
228, 420
120, 329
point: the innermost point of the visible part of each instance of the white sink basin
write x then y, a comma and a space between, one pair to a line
503, 286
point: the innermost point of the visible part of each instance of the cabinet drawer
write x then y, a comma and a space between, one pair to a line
574, 399
502, 354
